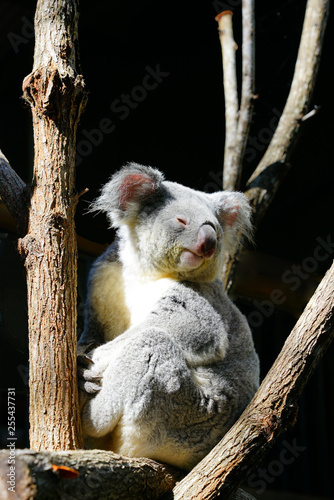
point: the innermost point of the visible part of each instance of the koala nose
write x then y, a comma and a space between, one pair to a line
206, 241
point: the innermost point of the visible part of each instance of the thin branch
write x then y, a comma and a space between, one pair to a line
267, 177
301, 90
247, 95
311, 113
228, 46
13, 192
237, 120
273, 408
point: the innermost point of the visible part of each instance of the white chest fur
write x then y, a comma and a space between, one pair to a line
141, 291
141, 295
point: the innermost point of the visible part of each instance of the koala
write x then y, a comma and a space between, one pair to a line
171, 361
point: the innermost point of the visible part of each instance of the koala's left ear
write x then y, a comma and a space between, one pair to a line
234, 212
127, 191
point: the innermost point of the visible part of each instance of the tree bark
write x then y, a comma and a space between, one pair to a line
13, 192
247, 94
273, 408
237, 135
97, 474
55, 93
237, 121
262, 186
229, 47
88, 475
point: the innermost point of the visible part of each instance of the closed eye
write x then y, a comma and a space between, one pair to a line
181, 221
208, 223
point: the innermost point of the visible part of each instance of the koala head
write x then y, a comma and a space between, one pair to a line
169, 230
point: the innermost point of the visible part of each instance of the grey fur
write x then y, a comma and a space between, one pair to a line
174, 382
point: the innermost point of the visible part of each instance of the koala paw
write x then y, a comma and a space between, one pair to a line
88, 380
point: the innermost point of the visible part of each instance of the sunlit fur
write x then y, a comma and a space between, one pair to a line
177, 360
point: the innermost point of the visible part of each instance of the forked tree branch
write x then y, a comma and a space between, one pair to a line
273, 408
262, 185
237, 121
267, 177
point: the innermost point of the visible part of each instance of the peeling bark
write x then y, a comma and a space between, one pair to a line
55, 93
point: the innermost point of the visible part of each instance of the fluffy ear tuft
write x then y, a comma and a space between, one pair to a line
127, 191
234, 212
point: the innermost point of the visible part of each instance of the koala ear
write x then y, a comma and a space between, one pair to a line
127, 191
234, 213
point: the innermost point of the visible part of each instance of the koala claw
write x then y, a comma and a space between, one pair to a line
89, 381
84, 360
90, 387
88, 359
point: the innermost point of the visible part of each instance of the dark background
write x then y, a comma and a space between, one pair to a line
179, 128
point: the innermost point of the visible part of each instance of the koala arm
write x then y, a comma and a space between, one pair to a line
169, 395
143, 406
95, 329
103, 321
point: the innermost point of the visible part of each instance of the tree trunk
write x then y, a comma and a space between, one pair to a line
55, 93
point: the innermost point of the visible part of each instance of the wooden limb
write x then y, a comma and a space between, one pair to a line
301, 91
260, 194
247, 94
13, 193
237, 122
86, 475
273, 408
56, 95
228, 47
94, 474
267, 177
